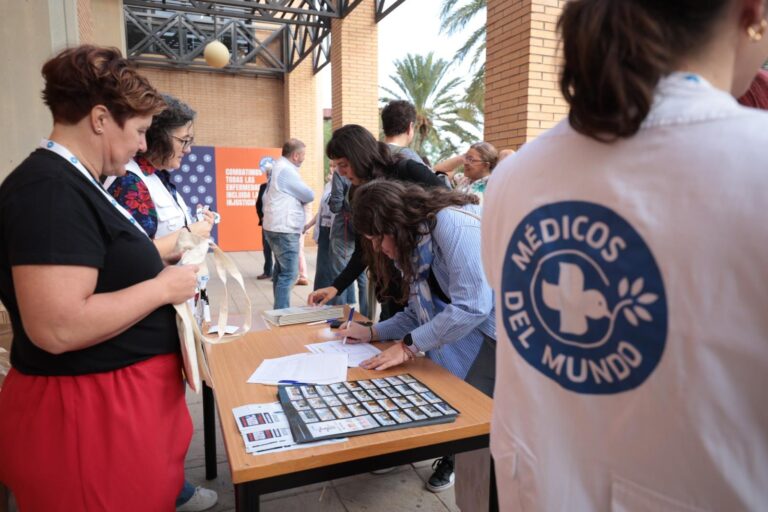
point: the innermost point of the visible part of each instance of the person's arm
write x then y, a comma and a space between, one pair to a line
260, 203
290, 182
471, 297
450, 165
411, 170
311, 223
338, 193
60, 311
132, 194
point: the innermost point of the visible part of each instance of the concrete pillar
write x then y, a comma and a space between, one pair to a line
304, 121
522, 91
32, 32
354, 68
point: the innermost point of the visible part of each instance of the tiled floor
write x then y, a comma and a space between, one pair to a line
400, 490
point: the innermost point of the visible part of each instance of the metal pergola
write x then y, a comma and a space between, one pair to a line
265, 37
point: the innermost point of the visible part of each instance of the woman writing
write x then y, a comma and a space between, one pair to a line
433, 239
361, 158
630, 276
92, 414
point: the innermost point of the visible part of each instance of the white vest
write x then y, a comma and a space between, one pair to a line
631, 288
170, 214
283, 213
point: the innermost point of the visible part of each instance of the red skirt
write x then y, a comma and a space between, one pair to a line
113, 441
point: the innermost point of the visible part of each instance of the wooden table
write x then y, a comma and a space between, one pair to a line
253, 475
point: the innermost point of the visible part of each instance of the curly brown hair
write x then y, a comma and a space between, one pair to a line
79, 78
405, 211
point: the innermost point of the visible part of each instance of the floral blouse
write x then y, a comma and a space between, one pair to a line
132, 193
477, 187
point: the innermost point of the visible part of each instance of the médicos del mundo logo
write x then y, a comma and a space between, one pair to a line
583, 299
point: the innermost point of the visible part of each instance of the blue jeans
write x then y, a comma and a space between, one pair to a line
341, 252
285, 248
323, 272
187, 491
267, 254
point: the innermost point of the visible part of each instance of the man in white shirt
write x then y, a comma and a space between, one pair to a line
284, 218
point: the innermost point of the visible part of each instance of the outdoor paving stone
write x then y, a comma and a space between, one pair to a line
401, 490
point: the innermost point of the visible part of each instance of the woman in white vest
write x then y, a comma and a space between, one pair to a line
147, 190
148, 193
630, 270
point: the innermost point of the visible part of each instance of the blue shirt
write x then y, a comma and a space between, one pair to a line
455, 334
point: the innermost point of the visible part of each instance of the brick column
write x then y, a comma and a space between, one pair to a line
304, 121
354, 68
522, 92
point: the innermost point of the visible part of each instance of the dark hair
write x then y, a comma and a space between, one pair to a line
159, 141
291, 146
405, 211
368, 157
616, 51
487, 152
397, 116
77, 79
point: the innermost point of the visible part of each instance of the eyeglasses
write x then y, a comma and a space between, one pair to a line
471, 160
185, 143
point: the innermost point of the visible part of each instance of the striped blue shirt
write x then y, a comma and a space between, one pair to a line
454, 335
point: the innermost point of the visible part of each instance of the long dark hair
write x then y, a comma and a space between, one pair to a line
616, 51
405, 211
368, 157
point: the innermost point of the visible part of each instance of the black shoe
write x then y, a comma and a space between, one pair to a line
442, 478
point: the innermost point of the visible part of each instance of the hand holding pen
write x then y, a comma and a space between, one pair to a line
349, 322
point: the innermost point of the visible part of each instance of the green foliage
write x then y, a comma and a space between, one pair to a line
454, 17
445, 123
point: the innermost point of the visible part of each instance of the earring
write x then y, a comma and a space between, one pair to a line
756, 34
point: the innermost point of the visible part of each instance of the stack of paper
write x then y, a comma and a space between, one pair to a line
356, 352
303, 314
302, 368
265, 429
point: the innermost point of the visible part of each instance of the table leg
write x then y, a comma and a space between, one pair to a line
209, 432
246, 499
493, 498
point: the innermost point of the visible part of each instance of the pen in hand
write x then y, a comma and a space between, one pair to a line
349, 321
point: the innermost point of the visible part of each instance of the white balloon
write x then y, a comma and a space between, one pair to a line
216, 54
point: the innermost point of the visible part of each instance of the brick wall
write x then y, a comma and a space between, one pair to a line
234, 111
354, 74
303, 120
85, 22
522, 90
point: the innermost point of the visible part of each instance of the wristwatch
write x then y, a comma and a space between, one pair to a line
408, 340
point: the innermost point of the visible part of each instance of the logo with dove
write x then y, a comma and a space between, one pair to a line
583, 299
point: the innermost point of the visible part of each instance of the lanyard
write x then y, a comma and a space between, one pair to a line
67, 155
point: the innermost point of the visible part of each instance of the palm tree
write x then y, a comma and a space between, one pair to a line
454, 17
442, 122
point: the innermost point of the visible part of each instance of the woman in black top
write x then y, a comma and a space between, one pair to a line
92, 414
361, 158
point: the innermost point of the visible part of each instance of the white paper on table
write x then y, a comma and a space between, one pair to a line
356, 352
268, 429
306, 368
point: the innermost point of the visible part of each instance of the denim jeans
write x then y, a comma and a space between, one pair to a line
187, 491
323, 272
341, 250
285, 249
267, 254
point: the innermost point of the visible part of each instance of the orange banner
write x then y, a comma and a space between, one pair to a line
239, 172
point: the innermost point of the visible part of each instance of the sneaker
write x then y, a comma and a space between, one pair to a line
442, 478
203, 499
302, 281
264, 276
